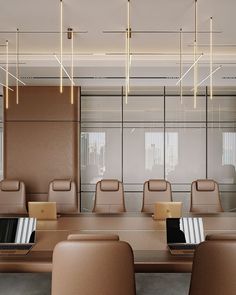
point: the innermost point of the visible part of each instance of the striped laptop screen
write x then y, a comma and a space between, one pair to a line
17, 230
187, 230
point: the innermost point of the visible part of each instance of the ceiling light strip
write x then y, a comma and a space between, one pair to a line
64, 69
211, 58
196, 61
61, 45
13, 76
195, 53
4, 85
17, 66
72, 68
181, 66
127, 84
7, 82
209, 76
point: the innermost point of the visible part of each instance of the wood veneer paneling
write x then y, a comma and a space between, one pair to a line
43, 103
41, 138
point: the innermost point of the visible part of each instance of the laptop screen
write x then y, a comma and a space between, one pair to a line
187, 230
17, 230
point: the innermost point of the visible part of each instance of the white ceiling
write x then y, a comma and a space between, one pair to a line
93, 49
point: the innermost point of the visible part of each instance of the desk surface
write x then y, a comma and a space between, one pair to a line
146, 236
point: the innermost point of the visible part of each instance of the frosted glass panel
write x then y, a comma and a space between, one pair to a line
185, 153
222, 153
101, 108
100, 154
144, 108
1, 151
222, 108
143, 154
177, 111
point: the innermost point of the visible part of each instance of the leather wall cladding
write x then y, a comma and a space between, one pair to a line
41, 138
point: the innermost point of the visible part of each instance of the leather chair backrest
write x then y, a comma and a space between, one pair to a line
213, 270
155, 190
109, 197
93, 267
12, 197
205, 196
221, 237
92, 237
63, 192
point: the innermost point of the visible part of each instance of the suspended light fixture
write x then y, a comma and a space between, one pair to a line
61, 45
190, 68
209, 76
17, 66
72, 68
194, 56
211, 58
180, 66
128, 36
7, 62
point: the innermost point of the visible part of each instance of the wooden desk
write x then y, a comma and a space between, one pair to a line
146, 236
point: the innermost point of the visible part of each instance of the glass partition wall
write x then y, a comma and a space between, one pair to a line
156, 135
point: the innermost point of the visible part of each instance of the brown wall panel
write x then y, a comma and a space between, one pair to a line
40, 152
41, 138
43, 103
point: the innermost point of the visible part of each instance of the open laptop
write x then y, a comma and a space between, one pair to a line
43, 210
184, 234
17, 235
163, 210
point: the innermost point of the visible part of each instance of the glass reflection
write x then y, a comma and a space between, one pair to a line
154, 153
93, 151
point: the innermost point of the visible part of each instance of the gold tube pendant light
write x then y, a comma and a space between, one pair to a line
17, 66
211, 58
72, 68
194, 55
61, 45
7, 76
128, 35
181, 66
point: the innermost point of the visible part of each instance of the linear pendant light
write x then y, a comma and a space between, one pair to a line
209, 76
17, 66
211, 58
61, 45
72, 68
181, 66
128, 35
194, 54
7, 62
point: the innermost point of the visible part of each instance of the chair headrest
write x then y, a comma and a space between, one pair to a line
157, 185
10, 185
61, 185
205, 185
109, 185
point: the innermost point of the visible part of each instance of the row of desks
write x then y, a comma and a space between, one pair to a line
146, 236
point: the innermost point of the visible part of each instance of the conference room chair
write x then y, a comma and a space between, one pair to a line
12, 197
213, 270
63, 192
221, 237
93, 237
155, 190
93, 267
109, 197
205, 196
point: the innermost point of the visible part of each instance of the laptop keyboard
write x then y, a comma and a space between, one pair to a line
184, 247
15, 247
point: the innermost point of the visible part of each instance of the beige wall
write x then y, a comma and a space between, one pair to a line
41, 138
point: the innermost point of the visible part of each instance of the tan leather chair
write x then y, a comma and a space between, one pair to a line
93, 267
221, 237
214, 269
92, 237
63, 192
205, 196
155, 190
109, 197
12, 197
